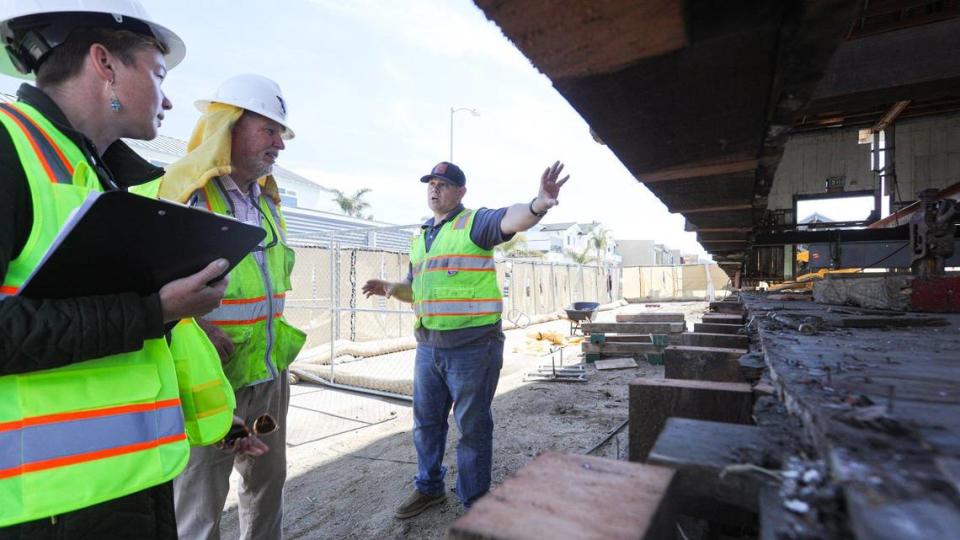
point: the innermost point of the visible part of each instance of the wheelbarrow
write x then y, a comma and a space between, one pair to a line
580, 312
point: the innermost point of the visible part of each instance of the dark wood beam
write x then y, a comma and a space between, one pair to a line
698, 170
890, 116
727, 241
720, 229
702, 209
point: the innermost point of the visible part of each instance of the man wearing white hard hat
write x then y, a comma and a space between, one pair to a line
227, 170
91, 426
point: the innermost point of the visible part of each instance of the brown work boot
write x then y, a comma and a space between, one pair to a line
418, 502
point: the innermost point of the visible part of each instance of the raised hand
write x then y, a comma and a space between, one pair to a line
550, 187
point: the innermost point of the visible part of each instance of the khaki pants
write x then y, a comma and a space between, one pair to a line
201, 490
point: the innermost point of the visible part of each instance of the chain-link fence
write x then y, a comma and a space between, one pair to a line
687, 282
367, 343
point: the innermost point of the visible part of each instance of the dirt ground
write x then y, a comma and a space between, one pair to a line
347, 485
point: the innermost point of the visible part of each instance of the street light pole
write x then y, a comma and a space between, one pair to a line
452, 112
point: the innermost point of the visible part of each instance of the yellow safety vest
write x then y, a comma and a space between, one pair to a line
92, 431
251, 313
455, 285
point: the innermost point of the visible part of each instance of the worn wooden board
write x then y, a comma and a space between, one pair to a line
881, 405
623, 349
615, 363
574, 497
717, 328
632, 328
703, 364
651, 317
724, 318
652, 401
699, 450
727, 341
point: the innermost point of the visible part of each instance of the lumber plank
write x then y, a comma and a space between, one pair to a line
717, 328
724, 318
632, 328
620, 348
652, 401
615, 363
726, 341
618, 500
703, 364
727, 307
651, 317
699, 450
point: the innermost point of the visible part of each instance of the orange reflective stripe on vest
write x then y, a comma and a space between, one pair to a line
58, 440
240, 311
58, 168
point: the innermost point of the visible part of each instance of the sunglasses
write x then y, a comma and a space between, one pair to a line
262, 425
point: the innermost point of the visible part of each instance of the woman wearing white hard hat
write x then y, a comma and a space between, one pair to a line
91, 431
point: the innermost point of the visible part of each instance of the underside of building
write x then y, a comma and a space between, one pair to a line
814, 147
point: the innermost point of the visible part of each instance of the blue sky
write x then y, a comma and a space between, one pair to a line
369, 86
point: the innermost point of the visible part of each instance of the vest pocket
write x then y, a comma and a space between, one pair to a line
452, 293
289, 342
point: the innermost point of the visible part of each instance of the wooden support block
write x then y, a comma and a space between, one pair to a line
727, 307
621, 349
703, 364
724, 318
652, 401
615, 363
699, 450
574, 497
715, 328
651, 317
633, 328
725, 341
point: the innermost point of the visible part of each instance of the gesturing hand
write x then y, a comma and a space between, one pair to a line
550, 187
378, 287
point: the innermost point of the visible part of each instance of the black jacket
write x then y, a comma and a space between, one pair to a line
43, 334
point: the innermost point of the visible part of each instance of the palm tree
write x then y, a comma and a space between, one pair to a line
599, 240
517, 247
582, 257
352, 205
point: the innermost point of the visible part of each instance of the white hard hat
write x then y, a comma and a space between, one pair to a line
254, 93
30, 29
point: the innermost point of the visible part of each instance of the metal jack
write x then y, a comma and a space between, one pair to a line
554, 373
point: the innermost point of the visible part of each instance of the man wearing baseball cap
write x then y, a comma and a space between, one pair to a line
227, 169
452, 285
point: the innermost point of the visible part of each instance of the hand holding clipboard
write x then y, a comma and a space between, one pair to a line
119, 242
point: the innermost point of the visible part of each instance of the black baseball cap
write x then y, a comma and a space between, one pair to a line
447, 171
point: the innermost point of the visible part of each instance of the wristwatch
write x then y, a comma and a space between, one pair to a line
532, 211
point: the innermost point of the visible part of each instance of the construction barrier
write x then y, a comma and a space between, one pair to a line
689, 282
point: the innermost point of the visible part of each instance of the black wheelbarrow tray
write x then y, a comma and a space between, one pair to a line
580, 312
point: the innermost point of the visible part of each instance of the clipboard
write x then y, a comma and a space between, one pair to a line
118, 242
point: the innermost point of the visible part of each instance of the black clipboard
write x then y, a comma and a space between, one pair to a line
121, 242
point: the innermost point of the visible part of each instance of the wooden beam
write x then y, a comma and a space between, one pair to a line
652, 401
720, 229
730, 241
889, 116
698, 170
577, 497
703, 209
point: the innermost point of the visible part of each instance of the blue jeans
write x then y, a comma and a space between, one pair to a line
466, 379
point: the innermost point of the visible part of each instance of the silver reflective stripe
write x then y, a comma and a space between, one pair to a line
246, 311
276, 219
62, 172
462, 220
450, 308
467, 263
